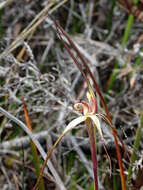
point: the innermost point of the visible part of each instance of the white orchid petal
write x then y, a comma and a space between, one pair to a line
74, 123
97, 123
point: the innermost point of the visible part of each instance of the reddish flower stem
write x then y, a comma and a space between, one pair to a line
93, 152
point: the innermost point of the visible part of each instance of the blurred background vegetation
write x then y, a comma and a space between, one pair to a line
34, 64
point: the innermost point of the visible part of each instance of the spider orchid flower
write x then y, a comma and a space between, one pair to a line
88, 110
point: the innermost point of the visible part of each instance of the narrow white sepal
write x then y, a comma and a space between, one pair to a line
74, 123
96, 123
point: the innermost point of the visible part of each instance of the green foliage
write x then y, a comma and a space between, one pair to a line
1, 25
135, 147
110, 17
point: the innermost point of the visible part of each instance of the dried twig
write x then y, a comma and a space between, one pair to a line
39, 147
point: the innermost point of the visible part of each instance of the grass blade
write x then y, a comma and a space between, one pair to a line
135, 147
33, 148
